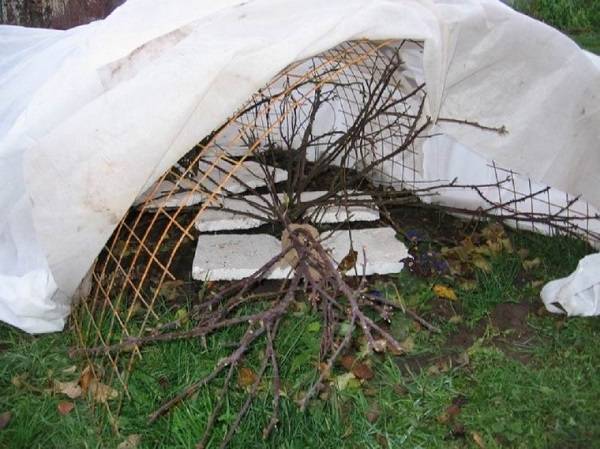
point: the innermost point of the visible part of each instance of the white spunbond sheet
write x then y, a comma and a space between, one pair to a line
577, 294
90, 117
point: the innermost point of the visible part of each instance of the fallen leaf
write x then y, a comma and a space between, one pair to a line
70, 369
482, 264
5, 419
507, 245
18, 380
379, 345
493, 231
531, 264
101, 392
452, 411
477, 438
324, 369
85, 378
362, 371
182, 316
348, 262
433, 370
325, 393
342, 381
373, 415
494, 246
347, 362
131, 442
442, 291
246, 377
468, 285
70, 389
537, 284
170, 290
65, 407
314, 327
455, 319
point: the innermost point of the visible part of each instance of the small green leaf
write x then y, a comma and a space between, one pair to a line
314, 327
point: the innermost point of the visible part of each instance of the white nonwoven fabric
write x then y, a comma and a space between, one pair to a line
90, 117
577, 294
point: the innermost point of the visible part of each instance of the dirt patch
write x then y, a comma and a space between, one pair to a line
442, 310
510, 333
510, 316
517, 337
514, 336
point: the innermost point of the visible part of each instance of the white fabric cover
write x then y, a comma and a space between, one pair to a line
90, 117
577, 294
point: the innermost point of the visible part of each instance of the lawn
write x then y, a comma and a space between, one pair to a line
502, 373
580, 19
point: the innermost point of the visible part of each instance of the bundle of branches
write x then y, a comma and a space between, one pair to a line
318, 279
381, 115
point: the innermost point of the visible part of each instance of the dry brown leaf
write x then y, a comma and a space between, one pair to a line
379, 345
482, 264
101, 392
349, 261
494, 231
507, 245
5, 419
70, 389
86, 378
246, 377
18, 380
468, 285
131, 442
455, 319
531, 264
347, 362
445, 292
362, 371
494, 246
537, 284
373, 414
478, 439
170, 290
65, 407
449, 414
324, 369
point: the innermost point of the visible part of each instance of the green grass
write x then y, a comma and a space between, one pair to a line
567, 15
580, 19
549, 401
590, 41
